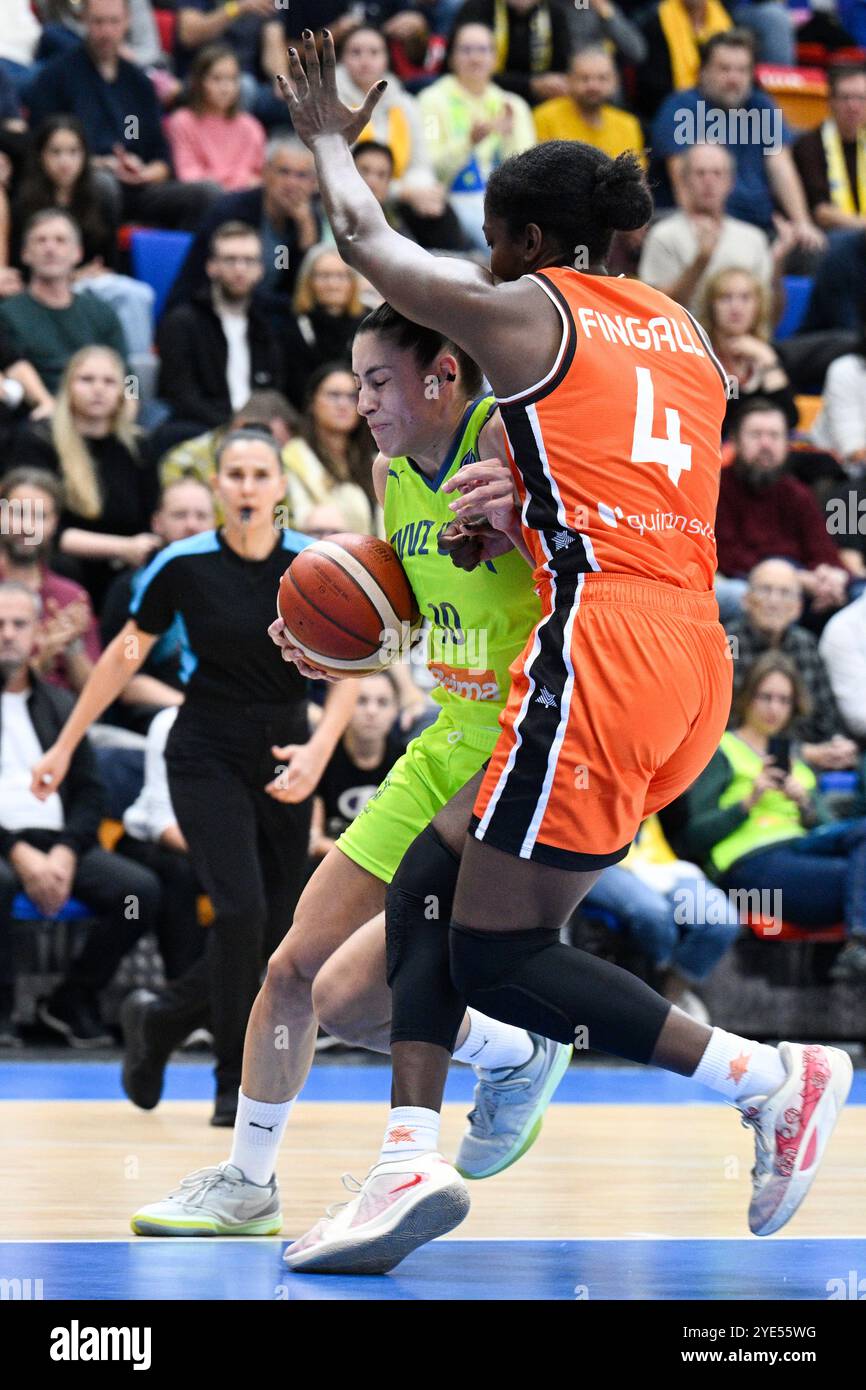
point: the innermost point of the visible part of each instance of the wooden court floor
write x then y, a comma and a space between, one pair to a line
74, 1170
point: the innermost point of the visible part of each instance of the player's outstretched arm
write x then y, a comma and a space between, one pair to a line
454, 296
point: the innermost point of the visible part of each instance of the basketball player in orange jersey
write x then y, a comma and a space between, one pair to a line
612, 404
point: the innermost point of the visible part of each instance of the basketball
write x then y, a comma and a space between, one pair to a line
347, 604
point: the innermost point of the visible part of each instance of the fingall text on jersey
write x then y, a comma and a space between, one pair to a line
660, 333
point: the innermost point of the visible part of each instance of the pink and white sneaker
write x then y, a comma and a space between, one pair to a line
398, 1207
792, 1127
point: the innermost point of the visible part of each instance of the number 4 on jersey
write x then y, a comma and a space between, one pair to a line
646, 447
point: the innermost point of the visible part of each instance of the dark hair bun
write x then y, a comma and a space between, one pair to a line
621, 195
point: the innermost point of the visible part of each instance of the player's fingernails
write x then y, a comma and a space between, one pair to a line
307, 34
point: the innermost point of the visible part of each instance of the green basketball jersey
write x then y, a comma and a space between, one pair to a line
480, 619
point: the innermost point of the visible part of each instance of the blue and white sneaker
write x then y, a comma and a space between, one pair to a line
509, 1107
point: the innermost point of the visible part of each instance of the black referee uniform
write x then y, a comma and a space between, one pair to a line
248, 849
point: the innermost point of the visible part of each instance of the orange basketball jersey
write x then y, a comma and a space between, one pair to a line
616, 452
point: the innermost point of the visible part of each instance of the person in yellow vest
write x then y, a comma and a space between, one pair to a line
397, 123
756, 823
675, 31
472, 124
831, 160
586, 113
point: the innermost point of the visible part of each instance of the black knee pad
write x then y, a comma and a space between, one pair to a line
418, 904
485, 960
530, 979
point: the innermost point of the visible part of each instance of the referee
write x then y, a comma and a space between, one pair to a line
241, 761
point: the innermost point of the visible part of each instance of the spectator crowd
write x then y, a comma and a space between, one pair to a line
128, 124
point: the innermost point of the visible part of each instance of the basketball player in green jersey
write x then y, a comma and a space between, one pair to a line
427, 411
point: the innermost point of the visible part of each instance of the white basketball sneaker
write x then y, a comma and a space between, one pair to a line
398, 1207
213, 1202
792, 1127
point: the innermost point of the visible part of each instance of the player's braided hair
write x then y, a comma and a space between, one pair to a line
574, 192
426, 344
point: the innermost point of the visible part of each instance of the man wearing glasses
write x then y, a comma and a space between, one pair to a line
219, 347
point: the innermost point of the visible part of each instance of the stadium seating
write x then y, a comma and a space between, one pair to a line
157, 257
798, 291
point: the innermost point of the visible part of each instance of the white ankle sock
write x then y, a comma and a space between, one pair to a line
258, 1134
411, 1131
491, 1044
737, 1067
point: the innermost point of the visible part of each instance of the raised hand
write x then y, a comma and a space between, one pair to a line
311, 95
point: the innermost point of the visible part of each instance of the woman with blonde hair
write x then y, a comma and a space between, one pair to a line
327, 308
109, 482
736, 314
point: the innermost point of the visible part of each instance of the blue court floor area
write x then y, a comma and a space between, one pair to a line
581, 1085
454, 1270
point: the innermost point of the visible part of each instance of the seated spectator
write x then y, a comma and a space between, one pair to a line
327, 309
23, 395
253, 33
843, 651
284, 211
533, 44
211, 138
49, 849
586, 113
772, 605
218, 347
417, 32
110, 487
10, 280
775, 29
334, 447
359, 763
656, 901
375, 164
841, 425
754, 818
397, 122
57, 173
675, 32
831, 160
764, 514
10, 107
472, 125
685, 249
185, 508
67, 638
118, 108
153, 838
65, 28
725, 108
735, 311
838, 298
601, 24
19, 38
48, 321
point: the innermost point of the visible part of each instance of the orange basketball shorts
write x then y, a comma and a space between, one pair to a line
618, 702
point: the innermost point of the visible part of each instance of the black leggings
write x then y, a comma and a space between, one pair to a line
249, 853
